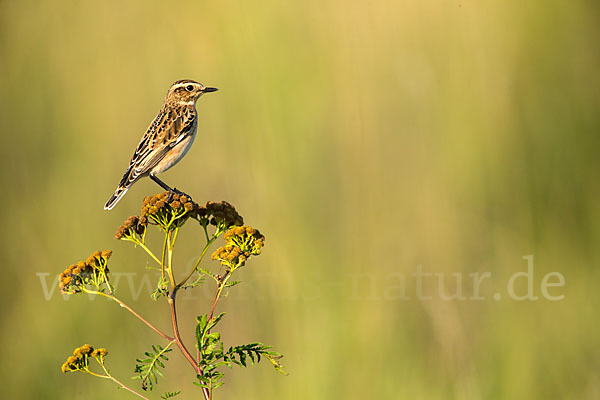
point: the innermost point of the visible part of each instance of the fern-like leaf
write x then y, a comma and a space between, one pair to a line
169, 395
149, 368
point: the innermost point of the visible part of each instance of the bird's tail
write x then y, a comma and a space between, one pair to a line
114, 199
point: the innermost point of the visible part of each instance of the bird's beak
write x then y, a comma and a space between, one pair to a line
209, 89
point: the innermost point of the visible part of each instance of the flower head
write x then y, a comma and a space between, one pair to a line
79, 360
168, 210
132, 226
242, 242
172, 210
223, 214
93, 271
99, 353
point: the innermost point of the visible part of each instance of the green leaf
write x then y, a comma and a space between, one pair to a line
201, 384
254, 351
213, 337
216, 385
208, 273
161, 288
213, 354
214, 321
196, 282
169, 395
201, 326
149, 368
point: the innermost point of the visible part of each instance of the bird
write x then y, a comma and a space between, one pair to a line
167, 139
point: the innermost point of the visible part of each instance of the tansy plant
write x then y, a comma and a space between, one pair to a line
168, 213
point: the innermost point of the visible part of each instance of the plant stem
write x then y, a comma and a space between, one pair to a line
143, 246
164, 254
127, 387
169, 260
180, 344
208, 243
178, 340
218, 292
171, 298
131, 310
205, 232
167, 337
118, 382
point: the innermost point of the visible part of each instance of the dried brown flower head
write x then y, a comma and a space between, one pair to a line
168, 212
172, 210
132, 226
224, 214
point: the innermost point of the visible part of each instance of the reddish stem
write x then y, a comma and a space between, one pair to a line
169, 338
180, 344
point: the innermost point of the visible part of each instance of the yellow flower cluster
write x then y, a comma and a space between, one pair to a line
79, 360
241, 243
92, 271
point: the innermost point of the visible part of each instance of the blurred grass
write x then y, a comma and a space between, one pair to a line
361, 138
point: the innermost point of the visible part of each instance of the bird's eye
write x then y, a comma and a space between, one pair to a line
189, 88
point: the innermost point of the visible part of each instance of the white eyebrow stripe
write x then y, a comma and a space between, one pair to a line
183, 85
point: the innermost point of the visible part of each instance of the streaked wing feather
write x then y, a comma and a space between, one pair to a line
168, 128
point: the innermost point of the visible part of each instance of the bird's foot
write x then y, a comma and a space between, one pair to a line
178, 192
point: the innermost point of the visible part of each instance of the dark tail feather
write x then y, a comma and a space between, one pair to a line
114, 199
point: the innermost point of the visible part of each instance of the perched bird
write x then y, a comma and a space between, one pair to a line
167, 139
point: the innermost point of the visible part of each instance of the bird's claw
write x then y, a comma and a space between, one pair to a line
178, 192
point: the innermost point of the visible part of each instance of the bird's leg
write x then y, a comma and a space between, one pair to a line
160, 183
171, 191
164, 186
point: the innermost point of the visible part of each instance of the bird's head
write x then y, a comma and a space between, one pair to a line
186, 92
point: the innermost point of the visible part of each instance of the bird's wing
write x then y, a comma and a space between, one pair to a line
169, 128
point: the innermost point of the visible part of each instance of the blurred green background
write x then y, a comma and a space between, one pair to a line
364, 139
